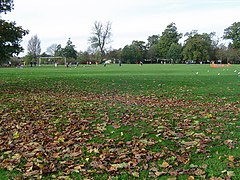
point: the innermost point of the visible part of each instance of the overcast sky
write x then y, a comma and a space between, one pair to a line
54, 21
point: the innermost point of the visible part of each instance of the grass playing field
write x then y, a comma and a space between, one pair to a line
128, 122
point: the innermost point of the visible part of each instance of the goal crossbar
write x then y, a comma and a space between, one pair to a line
58, 57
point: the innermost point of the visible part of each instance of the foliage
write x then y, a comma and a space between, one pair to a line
6, 5
59, 51
83, 57
140, 45
152, 40
131, 54
11, 37
69, 50
152, 53
10, 34
34, 47
221, 53
114, 54
101, 36
233, 55
168, 37
148, 122
233, 33
197, 46
174, 52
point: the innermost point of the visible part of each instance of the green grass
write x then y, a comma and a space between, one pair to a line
129, 122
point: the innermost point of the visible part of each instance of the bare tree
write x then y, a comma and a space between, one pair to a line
52, 49
34, 47
101, 36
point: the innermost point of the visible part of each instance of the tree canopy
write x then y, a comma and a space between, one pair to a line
69, 50
169, 36
198, 46
233, 33
6, 5
10, 34
131, 54
10, 39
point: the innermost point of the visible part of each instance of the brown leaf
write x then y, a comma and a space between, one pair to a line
75, 154
135, 174
159, 173
190, 178
165, 164
199, 172
231, 158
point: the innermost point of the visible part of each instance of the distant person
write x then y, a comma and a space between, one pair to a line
31, 63
120, 63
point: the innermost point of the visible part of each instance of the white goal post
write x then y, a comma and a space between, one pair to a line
59, 57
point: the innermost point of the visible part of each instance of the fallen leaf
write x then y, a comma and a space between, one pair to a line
230, 173
199, 172
190, 178
135, 174
164, 164
231, 158
121, 165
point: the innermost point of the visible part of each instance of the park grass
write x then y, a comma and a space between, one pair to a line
129, 122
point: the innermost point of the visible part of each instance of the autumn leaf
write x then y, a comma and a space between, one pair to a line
231, 158
15, 135
121, 165
190, 178
164, 164
230, 173
199, 172
135, 174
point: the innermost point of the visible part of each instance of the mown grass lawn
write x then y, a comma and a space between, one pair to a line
129, 122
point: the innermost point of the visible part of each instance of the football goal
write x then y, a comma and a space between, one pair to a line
51, 60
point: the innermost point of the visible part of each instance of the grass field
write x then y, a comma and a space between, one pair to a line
129, 122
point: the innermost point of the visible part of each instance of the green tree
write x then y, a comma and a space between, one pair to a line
152, 53
34, 47
59, 50
140, 45
69, 50
197, 47
174, 52
222, 53
101, 36
233, 55
152, 40
114, 54
10, 34
6, 5
131, 54
169, 36
233, 33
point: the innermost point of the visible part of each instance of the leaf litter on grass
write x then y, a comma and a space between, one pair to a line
57, 134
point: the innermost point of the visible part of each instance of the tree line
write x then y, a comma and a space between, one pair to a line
165, 48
